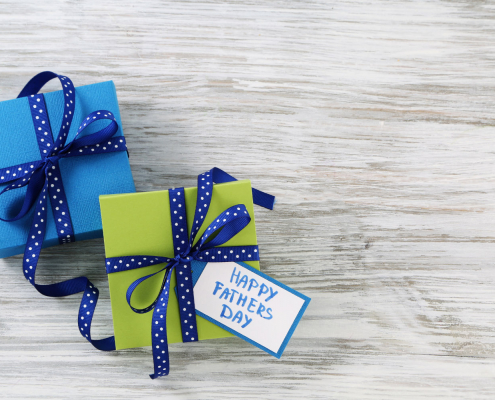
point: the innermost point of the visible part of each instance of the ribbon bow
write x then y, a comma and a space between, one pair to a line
43, 178
207, 248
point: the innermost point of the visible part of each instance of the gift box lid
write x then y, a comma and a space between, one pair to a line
84, 177
140, 224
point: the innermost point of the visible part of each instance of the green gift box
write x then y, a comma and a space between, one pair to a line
140, 223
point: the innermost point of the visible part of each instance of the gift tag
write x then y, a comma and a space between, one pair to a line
248, 303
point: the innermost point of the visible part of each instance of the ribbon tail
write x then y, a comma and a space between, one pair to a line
86, 312
159, 319
187, 308
35, 185
260, 198
161, 366
65, 288
18, 173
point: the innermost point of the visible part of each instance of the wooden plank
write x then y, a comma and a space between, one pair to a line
372, 123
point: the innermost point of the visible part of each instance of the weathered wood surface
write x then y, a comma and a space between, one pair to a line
372, 122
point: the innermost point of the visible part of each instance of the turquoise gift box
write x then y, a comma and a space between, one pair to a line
85, 178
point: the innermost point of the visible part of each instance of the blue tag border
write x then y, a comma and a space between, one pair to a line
198, 270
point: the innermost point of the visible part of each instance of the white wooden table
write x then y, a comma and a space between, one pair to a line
374, 125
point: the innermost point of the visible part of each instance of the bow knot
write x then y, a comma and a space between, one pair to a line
184, 258
52, 159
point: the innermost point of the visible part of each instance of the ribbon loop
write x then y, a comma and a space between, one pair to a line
228, 224
36, 83
99, 137
34, 86
136, 283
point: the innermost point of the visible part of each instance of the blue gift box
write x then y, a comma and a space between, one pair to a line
84, 178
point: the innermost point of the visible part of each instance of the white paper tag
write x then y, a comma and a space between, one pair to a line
249, 304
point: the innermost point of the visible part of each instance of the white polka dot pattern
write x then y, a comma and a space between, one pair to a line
86, 312
48, 151
20, 175
117, 264
70, 103
182, 248
159, 331
65, 288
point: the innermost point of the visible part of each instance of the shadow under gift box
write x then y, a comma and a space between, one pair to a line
140, 224
84, 177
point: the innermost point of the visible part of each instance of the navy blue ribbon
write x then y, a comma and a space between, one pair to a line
43, 179
223, 228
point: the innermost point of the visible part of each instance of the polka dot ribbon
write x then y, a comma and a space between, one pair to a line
44, 181
223, 228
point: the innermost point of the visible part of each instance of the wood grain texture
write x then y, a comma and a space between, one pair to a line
372, 123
